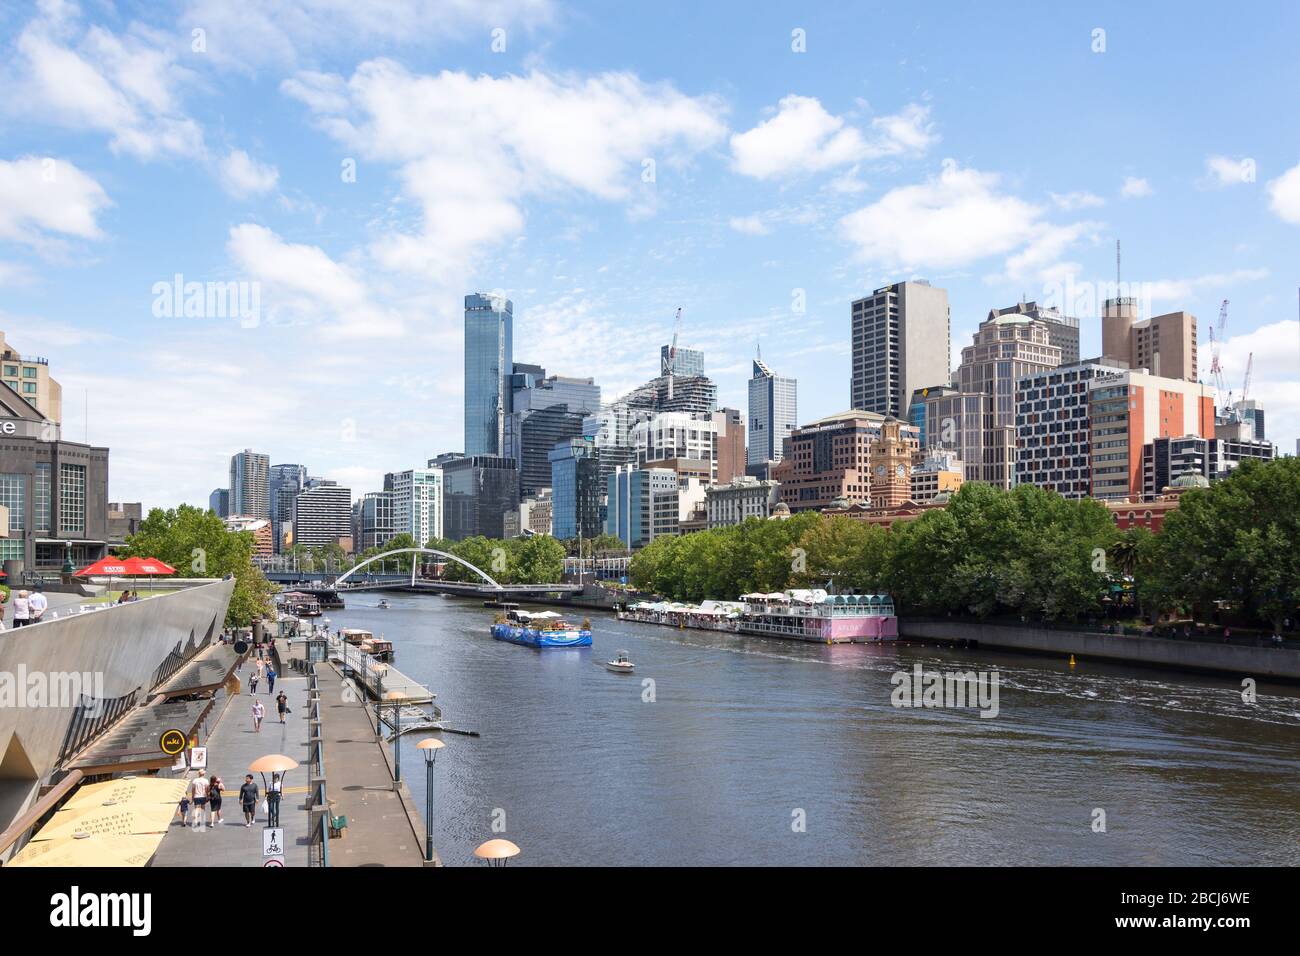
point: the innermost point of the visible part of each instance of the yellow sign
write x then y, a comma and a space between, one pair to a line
171, 742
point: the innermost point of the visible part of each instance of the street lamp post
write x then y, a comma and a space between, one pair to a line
430, 746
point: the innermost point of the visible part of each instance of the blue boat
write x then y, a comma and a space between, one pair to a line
541, 629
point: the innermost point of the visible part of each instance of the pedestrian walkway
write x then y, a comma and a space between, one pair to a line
380, 830
232, 746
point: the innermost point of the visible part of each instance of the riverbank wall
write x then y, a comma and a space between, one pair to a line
1231, 659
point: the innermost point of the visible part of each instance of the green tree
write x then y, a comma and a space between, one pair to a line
196, 542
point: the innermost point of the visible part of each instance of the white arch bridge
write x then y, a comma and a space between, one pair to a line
489, 584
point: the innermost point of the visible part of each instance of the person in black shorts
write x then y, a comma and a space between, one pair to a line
248, 799
214, 801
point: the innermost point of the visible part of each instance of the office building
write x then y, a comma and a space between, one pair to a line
417, 502
773, 413
1251, 412
829, 460
55, 491
250, 492
689, 362
732, 454
939, 473
918, 417
1165, 460
901, 341
29, 377
477, 492
1129, 408
375, 517
219, 502
489, 329
1054, 428
743, 498
284, 484
323, 515
575, 489
1164, 345
642, 505
124, 519
550, 411
1062, 330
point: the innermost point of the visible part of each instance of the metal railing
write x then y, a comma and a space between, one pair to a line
318, 807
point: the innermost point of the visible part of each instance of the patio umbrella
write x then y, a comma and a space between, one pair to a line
98, 850
109, 567
148, 567
133, 790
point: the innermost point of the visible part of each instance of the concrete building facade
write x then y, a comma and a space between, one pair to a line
901, 341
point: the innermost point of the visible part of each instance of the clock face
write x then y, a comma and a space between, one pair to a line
880, 470
901, 471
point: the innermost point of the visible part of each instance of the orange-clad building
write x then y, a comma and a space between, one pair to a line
1129, 408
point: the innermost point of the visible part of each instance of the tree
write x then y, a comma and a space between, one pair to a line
195, 541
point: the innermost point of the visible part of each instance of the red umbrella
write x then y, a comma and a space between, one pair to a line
150, 567
104, 567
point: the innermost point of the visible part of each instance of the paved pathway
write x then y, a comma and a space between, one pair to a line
360, 785
232, 746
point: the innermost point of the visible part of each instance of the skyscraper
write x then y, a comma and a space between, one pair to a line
688, 362
219, 502
489, 327
773, 413
576, 491
901, 342
417, 502
1062, 330
285, 482
323, 515
1164, 345
250, 484
552, 410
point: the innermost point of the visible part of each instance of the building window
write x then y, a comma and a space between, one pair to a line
13, 497
72, 499
29, 372
41, 496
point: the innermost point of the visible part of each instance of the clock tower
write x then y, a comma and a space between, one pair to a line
890, 460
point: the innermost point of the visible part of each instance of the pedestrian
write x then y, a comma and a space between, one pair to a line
282, 705
270, 678
248, 799
215, 786
273, 799
252, 683
258, 713
22, 610
198, 800
261, 664
37, 604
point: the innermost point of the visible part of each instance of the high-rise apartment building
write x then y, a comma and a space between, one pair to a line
489, 350
29, 376
687, 361
901, 342
376, 520
250, 493
323, 515
732, 455
773, 413
284, 484
417, 502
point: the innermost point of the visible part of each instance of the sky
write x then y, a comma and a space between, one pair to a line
350, 170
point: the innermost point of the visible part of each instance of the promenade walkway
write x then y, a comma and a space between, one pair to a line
382, 827
232, 746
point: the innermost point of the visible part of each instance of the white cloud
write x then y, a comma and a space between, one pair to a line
302, 283
803, 137
1135, 187
1076, 200
43, 200
122, 85
515, 137
1284, 195
752, 225
243, 176
1276, 348
952, 220
1226, 171
1180, 290
283, 32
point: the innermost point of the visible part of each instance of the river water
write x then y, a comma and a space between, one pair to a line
762, 751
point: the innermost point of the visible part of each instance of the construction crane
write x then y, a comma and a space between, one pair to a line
670, 366
1216, 370
1245, 386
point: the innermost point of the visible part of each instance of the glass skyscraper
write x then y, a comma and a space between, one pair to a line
773, 413
489, 326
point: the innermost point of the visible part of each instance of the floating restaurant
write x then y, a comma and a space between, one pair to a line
801, 614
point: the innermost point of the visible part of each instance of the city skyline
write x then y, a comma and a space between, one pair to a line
783, 186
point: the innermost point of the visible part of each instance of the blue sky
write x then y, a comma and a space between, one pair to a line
602, 169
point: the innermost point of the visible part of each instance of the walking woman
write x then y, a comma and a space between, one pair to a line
259, 712
214, 801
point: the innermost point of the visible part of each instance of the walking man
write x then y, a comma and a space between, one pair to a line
282, 705
248, 799
273, 799
270, 678
37, 604
259, 712
198, 800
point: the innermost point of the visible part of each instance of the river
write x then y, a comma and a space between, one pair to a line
747, 750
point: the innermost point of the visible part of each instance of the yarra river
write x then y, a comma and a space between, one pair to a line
746, 737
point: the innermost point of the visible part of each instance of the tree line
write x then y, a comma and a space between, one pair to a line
1234, 546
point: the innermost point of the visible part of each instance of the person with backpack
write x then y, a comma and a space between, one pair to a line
248, 799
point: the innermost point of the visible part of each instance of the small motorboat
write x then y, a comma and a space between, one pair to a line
620, 664
383, 604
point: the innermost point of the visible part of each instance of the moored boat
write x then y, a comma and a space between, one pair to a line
540, 629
